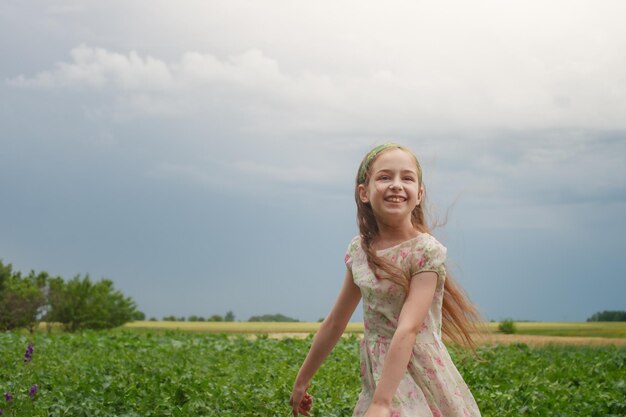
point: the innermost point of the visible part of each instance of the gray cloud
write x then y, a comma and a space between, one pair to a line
465, 78
189, 125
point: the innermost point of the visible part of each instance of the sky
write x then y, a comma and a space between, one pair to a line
202, 154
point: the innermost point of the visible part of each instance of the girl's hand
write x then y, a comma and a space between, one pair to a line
301, 401
378, 410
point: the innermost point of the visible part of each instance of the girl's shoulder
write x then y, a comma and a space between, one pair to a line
351, 252
354, 244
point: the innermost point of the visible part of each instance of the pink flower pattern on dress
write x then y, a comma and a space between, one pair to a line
432, 384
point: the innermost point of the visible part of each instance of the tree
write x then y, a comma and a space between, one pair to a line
230, 316
21, 298
82, 304
77, 304
215, 317
608, 316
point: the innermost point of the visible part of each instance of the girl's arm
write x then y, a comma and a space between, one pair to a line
326, 337
421, 292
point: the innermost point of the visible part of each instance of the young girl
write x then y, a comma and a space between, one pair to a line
398, 269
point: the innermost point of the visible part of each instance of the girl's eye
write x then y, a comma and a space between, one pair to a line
409, 178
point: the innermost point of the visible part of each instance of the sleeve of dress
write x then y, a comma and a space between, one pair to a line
350, 253
429, 258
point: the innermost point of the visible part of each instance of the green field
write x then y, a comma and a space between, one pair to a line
597, 329
181, 373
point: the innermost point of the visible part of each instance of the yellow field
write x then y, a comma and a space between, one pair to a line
571, 329
237, 327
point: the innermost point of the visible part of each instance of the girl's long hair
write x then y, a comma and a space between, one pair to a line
460, 318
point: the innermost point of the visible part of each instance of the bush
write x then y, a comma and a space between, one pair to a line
507, 326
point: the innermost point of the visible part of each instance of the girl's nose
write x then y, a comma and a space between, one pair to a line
395, 185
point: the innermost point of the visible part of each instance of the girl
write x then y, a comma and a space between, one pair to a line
398, 269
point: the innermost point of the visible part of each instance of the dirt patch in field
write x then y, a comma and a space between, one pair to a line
493, 338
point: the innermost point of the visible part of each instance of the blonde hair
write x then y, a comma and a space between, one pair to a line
460, 318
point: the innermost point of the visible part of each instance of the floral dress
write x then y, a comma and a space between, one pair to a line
432, 385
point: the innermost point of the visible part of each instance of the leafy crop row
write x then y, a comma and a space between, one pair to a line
183, 374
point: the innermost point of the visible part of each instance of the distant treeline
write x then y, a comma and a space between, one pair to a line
78, 303
608, 316
272, 317
230, 316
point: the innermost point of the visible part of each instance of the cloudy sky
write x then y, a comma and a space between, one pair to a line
202, 154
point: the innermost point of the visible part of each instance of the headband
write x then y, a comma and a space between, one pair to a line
367, 161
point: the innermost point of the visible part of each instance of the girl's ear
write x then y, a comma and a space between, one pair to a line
420, 195
363, 193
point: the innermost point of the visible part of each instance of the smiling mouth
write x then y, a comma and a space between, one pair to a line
395, 199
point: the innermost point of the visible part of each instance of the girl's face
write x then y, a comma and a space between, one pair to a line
393, 190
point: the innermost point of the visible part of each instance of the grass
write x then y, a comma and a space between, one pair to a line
181, 373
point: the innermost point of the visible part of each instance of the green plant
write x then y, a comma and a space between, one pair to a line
507, 326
